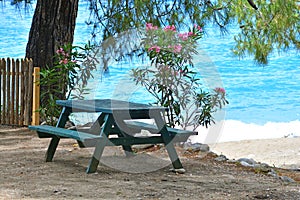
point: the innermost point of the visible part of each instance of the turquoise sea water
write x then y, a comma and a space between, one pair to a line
257, 94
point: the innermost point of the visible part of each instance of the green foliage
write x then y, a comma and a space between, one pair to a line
72, 69
265, 26
170, 78
273, 26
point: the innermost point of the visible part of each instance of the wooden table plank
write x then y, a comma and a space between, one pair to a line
107, 106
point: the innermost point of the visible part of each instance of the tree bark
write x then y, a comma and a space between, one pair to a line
52, 26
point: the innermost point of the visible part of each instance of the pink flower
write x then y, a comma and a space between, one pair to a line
170, 28
220, 90
60, 51
150, 26
64, 61
183, 36
155, 47
190, 34
177, 48
198, 27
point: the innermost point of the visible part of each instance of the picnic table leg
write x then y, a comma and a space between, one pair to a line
168, 141
52, 148
95, 128
94, 162
171, 149
128, 151
127, 148
55, 140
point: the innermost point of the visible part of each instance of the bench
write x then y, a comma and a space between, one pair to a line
45, 131
89, 140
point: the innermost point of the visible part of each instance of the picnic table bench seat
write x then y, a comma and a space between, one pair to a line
45, 131
89, 140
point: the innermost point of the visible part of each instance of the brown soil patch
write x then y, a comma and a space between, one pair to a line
25, 175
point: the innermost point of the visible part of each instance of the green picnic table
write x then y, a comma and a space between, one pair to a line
116, 118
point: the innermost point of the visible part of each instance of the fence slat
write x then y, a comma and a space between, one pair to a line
4, 94
30, 91
1, 78
36, 97
22, 100
28, 94
17, 119
13, 86
26, 69
8, 88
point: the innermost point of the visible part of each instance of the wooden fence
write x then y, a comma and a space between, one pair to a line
16, 96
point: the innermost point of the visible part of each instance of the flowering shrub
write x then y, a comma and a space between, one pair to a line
66, 67
72, 68
170, 78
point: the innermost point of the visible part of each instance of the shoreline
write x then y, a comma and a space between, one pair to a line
277, 152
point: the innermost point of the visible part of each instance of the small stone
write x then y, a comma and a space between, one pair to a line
273, 173
249, 161
265, 165
221, 158
179, 171
262, 168
56, 192
187, 145
245, 164
204, 148
195, 147
286, 179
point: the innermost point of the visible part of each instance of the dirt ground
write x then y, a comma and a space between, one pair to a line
25, 174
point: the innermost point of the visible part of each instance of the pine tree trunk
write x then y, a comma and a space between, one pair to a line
52, 26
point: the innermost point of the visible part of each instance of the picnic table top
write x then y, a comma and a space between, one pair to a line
107, 105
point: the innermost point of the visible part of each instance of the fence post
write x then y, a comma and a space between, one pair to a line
36, 97
4, 93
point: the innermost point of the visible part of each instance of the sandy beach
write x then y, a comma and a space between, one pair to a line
279, 152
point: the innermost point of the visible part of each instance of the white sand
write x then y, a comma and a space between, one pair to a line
279, 152
274, 143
